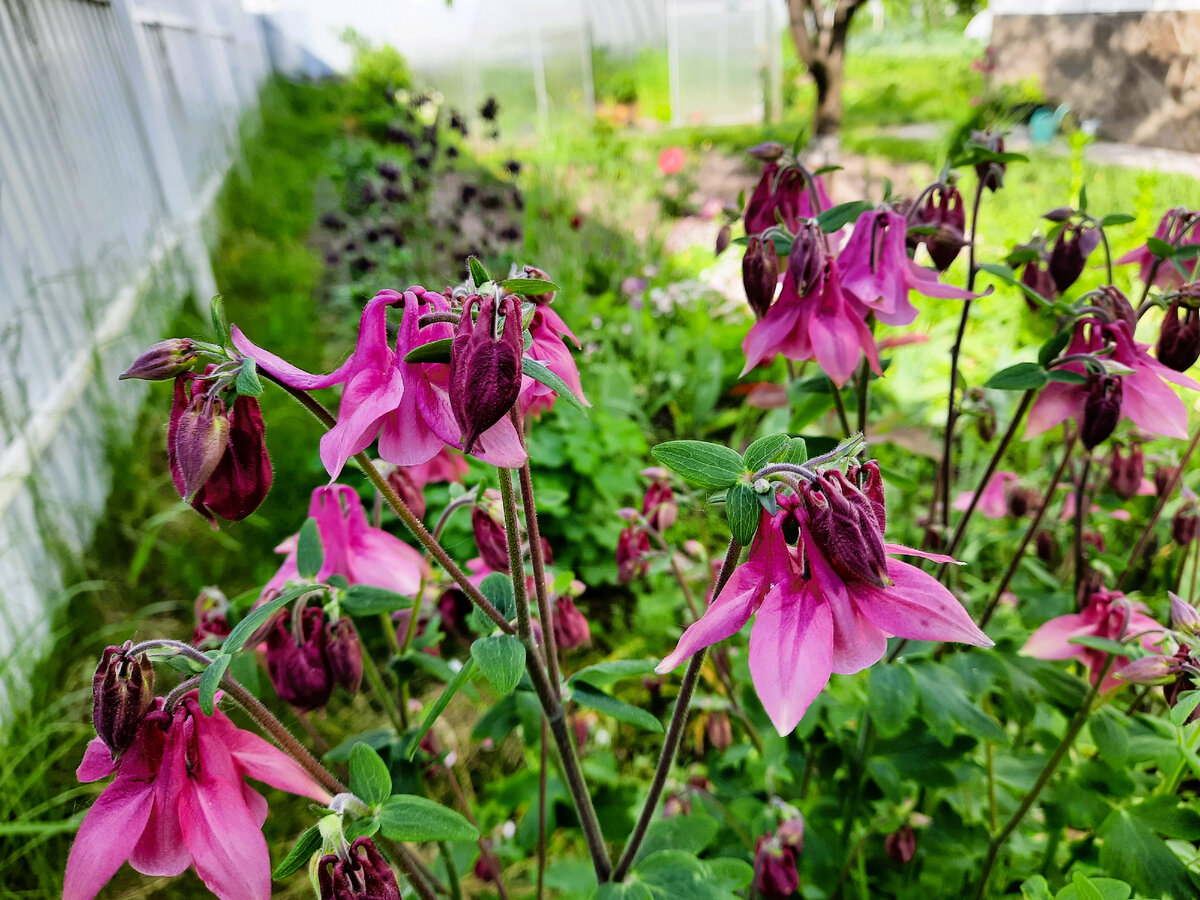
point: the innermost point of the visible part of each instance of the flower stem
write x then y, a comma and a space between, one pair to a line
455, 889
840, 406
862, 386
400, 508
1081, 502
1043, 778
541, 844
674, 732
1140, 546
1047, 499
386, 697
551, 705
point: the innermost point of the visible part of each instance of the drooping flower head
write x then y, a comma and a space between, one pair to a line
828, 602
485, 370
122, 695
994, 498
784, 191
179, 800
942, 210
1179, 338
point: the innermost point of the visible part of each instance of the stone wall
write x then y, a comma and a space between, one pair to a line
1137, 73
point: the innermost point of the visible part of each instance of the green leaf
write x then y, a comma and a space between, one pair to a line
216, 309
365, 827
247, 383
1187, 251
370, 780
1169, 816
842, 214
412, 819
1023, 376
1134, 853
797, 451
677, 875
306, 845
624, 890
742, 510
211, 680
368, 600
1159, 247
705, 465
1184, 707
586, 695
310, 555
497, 588
1036, 888
528, 286
1053, 347
690, 833
730, 874
1083, 198
765, 450
1104, 645
1066, 376
1083, 889
433, 352
1110, 737
1005, 274
539, 371
439, 705
256, 618
478, 273
946, 703
891, 697
501, 658
1105, 888
612, 671
1117, 219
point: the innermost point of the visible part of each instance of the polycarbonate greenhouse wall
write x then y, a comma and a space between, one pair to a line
118, 121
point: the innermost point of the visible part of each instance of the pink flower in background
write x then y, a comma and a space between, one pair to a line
1147, 400
1174, 224
839, 617
821, 324
1108, 614
877, 272
784, 190
547, 331
993, 501
352, 547
179, 800
671, 160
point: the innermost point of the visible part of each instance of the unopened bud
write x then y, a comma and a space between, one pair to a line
808, 261
901, 845
212, 619
718, 732
1074, 245
1047, 547
1184, 616
540, 299
760, 274
571, 629
943, 210
659, 506
775, 866
487, 867
991, 174
1059, 214
122, 693
1164, 476
164, 360
201, 437
1036, 276
363, 875
1101, 409
485, 373
676, 804
724, 237
791, 833
1148, 670
300, 671
343, 650
401, 481
632, 546
1125, 473
1184, 526
491, 539
767, 152
1179, 339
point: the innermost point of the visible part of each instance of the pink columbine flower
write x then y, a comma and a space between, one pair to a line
877, 272
353, 548
837, 615
821, 324
784, 190
993, 501
1146, 399
547, 331
406, 405
1108, 614
1174, 225
179, 800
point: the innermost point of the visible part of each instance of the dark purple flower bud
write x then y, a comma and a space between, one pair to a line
197, 436
659, 507
243, 477
571, 629
1036, 276
164, 360
122, 693
991, 174
1183, 526
901, 845
487, 867
632, 547
1125, 473
1095, 540
760, 274
943, 210
1059, 214
870, 482
300, 671
388, 170
843, 523
540, 299
808, 261
485, 373
1179, 340
212, 618
363, 875
985, 422
413, 495
724, 236
1118, 306
343, 651
1022, 501
332, 221
775, 873
491, 539
489, 109
1075, 243
1047, 547
1101, 409
718, 732
768, 152
1164, 476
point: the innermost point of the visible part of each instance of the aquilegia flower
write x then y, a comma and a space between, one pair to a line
1145, 398
829, 603
1178, 227
1108, 614
179, 800
993, 499
352, 547
784, 190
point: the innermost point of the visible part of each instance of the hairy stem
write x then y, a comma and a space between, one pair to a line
1081, 502
674, 733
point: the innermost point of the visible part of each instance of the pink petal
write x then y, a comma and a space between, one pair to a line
161, 850
97, 762
105, 836
501, 446
1151, 405
1056, 403
857, 643
732, 609
901, 550
387, 562
1053, 639
835, 342
791, 652
917, 607
284, 370
766, 336
369, 396
256, 758
926, 281
227, 847
406, 439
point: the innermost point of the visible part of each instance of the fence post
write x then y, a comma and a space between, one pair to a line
163, 150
